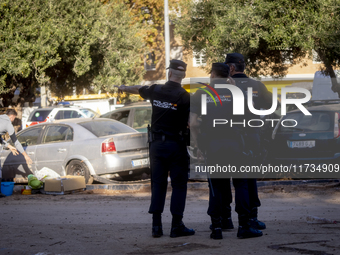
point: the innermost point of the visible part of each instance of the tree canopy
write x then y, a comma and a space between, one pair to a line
269, 33
65, 44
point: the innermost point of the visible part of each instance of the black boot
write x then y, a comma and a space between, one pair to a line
245, 230
227, 223
216, 228
254, 222
157, 230
178, 228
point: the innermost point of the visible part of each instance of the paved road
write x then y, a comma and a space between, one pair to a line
117, 222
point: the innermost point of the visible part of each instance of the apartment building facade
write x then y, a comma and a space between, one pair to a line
155, 67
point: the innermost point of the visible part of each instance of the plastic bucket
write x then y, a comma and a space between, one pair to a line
7, 188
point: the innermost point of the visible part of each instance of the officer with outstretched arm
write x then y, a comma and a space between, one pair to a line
168, 153
6, 126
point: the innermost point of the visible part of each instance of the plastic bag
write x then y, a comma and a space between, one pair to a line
46, 173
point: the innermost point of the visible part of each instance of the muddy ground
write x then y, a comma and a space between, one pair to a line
109, 222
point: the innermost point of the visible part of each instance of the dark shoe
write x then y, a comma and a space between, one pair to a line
181, 230
226, 224
216, 233
248, 232
255, 223
157, 231
2, 195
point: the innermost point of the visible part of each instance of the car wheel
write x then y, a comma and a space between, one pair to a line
79, 168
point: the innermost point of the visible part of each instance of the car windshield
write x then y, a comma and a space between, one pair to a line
106, 127
89, 113
318, 121
39, 115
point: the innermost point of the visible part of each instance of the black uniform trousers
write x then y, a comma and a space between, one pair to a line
254, 143
165, 156
227, 197
224, 152
253, 140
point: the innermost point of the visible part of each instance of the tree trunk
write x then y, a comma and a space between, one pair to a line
330, 71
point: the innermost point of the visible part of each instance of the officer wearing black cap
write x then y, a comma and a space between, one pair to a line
214, 140
262, 98
168, 153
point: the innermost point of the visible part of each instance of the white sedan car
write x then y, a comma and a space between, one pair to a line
49, 114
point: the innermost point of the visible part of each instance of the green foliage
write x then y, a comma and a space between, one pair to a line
269, 33
66, 44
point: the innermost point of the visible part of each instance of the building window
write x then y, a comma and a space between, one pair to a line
149, 62
199, 59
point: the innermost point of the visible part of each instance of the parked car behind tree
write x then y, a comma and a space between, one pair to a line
136, 115
314, 140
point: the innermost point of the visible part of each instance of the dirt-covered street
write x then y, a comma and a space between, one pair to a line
111, 222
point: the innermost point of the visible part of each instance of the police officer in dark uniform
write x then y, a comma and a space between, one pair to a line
223, 146
262, 98
168, 153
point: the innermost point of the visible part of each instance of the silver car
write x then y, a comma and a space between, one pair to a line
136, 115
95, 148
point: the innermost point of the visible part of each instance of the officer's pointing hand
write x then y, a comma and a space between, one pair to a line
122, 88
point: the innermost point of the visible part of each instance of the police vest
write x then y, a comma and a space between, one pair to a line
169, 114
260, 97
